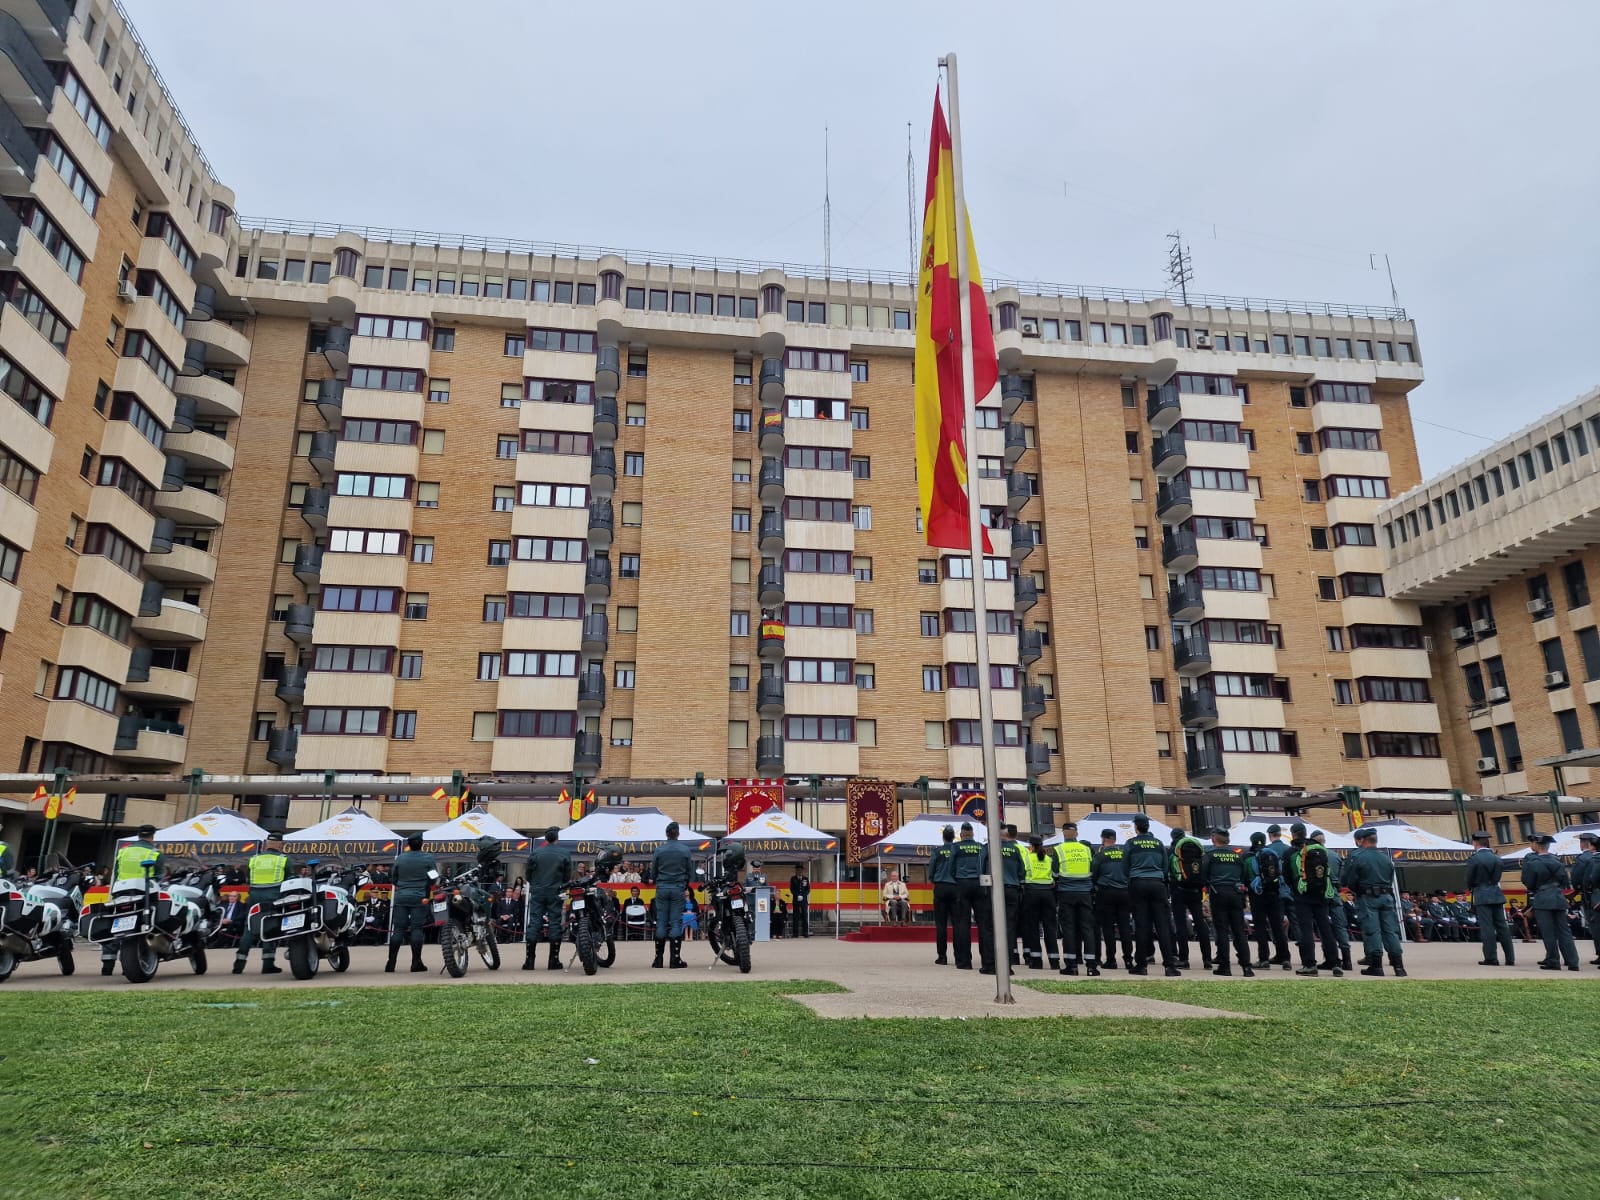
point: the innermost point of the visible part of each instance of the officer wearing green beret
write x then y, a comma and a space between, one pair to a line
1369, 874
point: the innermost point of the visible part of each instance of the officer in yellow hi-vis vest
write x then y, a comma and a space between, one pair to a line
1039, 904
266, 871
7, 861
130, 863
1075, 903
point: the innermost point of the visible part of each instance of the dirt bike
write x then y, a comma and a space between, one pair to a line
462, 905
591, 925
727, 917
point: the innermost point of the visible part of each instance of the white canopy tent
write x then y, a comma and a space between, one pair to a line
216, 835
351, 836
919, 837
1408, 843
459, 838
776, 832
1566, 842
1239, 835
636, 830
1090, 827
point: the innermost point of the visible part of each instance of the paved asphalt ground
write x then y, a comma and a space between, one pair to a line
883, 980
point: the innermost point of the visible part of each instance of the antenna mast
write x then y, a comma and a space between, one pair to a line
1180, 266
827, 211
911, 202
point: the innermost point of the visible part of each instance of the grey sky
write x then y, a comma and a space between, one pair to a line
1288, 141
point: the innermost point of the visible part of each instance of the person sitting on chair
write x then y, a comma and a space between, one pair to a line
896, 900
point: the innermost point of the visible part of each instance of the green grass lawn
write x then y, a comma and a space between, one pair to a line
1427, 1090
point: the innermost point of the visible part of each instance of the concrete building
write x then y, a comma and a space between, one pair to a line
357, 500
1500, 552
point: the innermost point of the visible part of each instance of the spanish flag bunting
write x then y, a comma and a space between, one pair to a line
72, 795
40, 792
452, 808
940, 407
574, 805
439, 793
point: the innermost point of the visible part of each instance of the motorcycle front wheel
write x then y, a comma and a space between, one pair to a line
139, 960
197, 960
339, 958
741, 946
453, 947
64, 958
489, 950
583, 936
304, 958
607, 954
8, 964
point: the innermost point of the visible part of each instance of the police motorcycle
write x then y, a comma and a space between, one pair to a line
729, 921
317, 916
38, 919
464, 906
148, 923
593, 914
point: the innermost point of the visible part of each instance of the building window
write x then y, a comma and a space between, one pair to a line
741, 520
866, 677
861, 516
741, 418
628, 566
489, 665
405, 726
622, 731
494, 608
1577, 584
864, 619
634, 414
860, 418
739, 624
858, 371
930, 624
410, 664
861, 567
1352, 745
739, 734
633, 464
932, 679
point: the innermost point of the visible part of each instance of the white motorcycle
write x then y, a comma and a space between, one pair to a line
38, 920
150, 923
317, 916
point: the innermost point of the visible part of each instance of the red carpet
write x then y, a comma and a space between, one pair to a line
895, 933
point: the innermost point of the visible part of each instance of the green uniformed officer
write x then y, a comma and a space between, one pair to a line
1369, 874
1546, 878
1337, 921
1113, 911
8, 862
549, 868
1307, 864
1012, 869
941, 873
1484, 871
972, 904
1222, 874
1188, 898
672, 867
1586, 878
1075, 903
415, 873
266, 871
1148, 871
135, 860
1039, 905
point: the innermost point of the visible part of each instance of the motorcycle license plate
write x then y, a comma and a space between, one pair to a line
298, 921
123, 924
576, 905
438, 906
735, 903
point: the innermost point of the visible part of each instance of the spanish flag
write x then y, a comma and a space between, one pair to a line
574, 805
941, 412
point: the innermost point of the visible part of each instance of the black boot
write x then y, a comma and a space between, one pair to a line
1072, 969
1373, 965
1222, 969
238, 965
394, 954
1249, 971
416, 958
107, 965
1092, 969
1399, 965
271, 968
554, 963
661, 949
677, 954
528, 961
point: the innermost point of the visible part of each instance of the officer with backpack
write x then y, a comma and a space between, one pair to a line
1188, 899
1222, 871
1308, 880
1113, 910
1148, 872
1336, 917
1263, 877
1075, 908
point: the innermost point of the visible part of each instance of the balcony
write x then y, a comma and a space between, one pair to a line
605, 421
299, 622
1191, 655
1203, 766
224, 344
172, 476
203, 451
597, 577
1185, 600
601, 525
194, 357
308, 563
769, 754
771, 533
1038, 759
204, 307
145, 740
769, 696
1179, 553
314, 508
1030, 645
184, 415
596, 633
291, 687
771, 381
1018, 492
1174, 504
147, 681
330, 401
772, 481
168, 620
772, 640
1162, 408
213, 397
1022, 543
591, 690
324, 445
190, 505
603, 473
1170, 453
607, 369
1026, 591
161, 536
586, 751
1016, 441
26, 81
1197, 708
19, 153
1032, 701
336, 347
282, 745
180, 562
771, 590
771, 441
1013, 394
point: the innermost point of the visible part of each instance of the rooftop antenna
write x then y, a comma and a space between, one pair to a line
827, 212
1180, 267
911, 203
1372, 262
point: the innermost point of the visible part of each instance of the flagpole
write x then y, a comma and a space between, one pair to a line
980, 615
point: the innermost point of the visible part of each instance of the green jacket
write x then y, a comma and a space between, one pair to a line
971, 857
549, 866
1222, 868
413, 872
1146, 857
8, 861
671, 864
1484, 870
942, 864
1011, 863
1546, 878
1585, 877
1176, 863
1368, 869
1111, 869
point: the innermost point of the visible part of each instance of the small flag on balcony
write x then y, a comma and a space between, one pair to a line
439, 793
72, 795
940, 397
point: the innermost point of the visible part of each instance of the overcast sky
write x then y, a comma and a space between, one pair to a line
1288, 141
